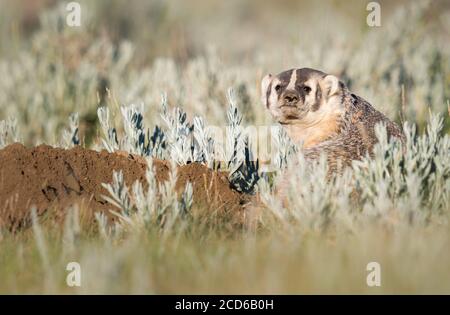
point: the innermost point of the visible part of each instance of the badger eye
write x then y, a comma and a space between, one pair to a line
277, 87
307, 89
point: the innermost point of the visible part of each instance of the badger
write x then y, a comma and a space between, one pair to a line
319, 112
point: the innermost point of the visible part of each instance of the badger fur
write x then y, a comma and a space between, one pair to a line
319, 111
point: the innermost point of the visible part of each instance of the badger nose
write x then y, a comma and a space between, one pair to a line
291, 98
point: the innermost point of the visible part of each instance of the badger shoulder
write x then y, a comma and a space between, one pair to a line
360, 121
357, 136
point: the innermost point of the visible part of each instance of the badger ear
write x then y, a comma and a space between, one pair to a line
331, 85
264, 86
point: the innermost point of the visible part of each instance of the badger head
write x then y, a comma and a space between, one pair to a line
302, 96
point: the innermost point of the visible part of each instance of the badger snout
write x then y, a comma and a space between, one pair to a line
290, 98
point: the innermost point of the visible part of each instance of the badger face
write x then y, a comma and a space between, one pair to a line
301, 96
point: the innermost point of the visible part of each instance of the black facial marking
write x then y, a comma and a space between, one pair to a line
284, 78
302, 96
305, 74
268, 94
316, 105
302, 75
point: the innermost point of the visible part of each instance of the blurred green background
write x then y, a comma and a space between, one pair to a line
183, 29
195, 50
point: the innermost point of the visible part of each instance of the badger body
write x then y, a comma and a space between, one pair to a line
319, 112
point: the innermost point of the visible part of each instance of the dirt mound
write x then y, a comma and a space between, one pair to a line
53, 178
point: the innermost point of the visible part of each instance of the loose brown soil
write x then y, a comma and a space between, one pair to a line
53, 179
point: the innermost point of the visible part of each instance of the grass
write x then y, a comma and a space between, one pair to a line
412, 260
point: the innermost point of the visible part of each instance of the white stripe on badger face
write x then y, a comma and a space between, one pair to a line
292, 81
